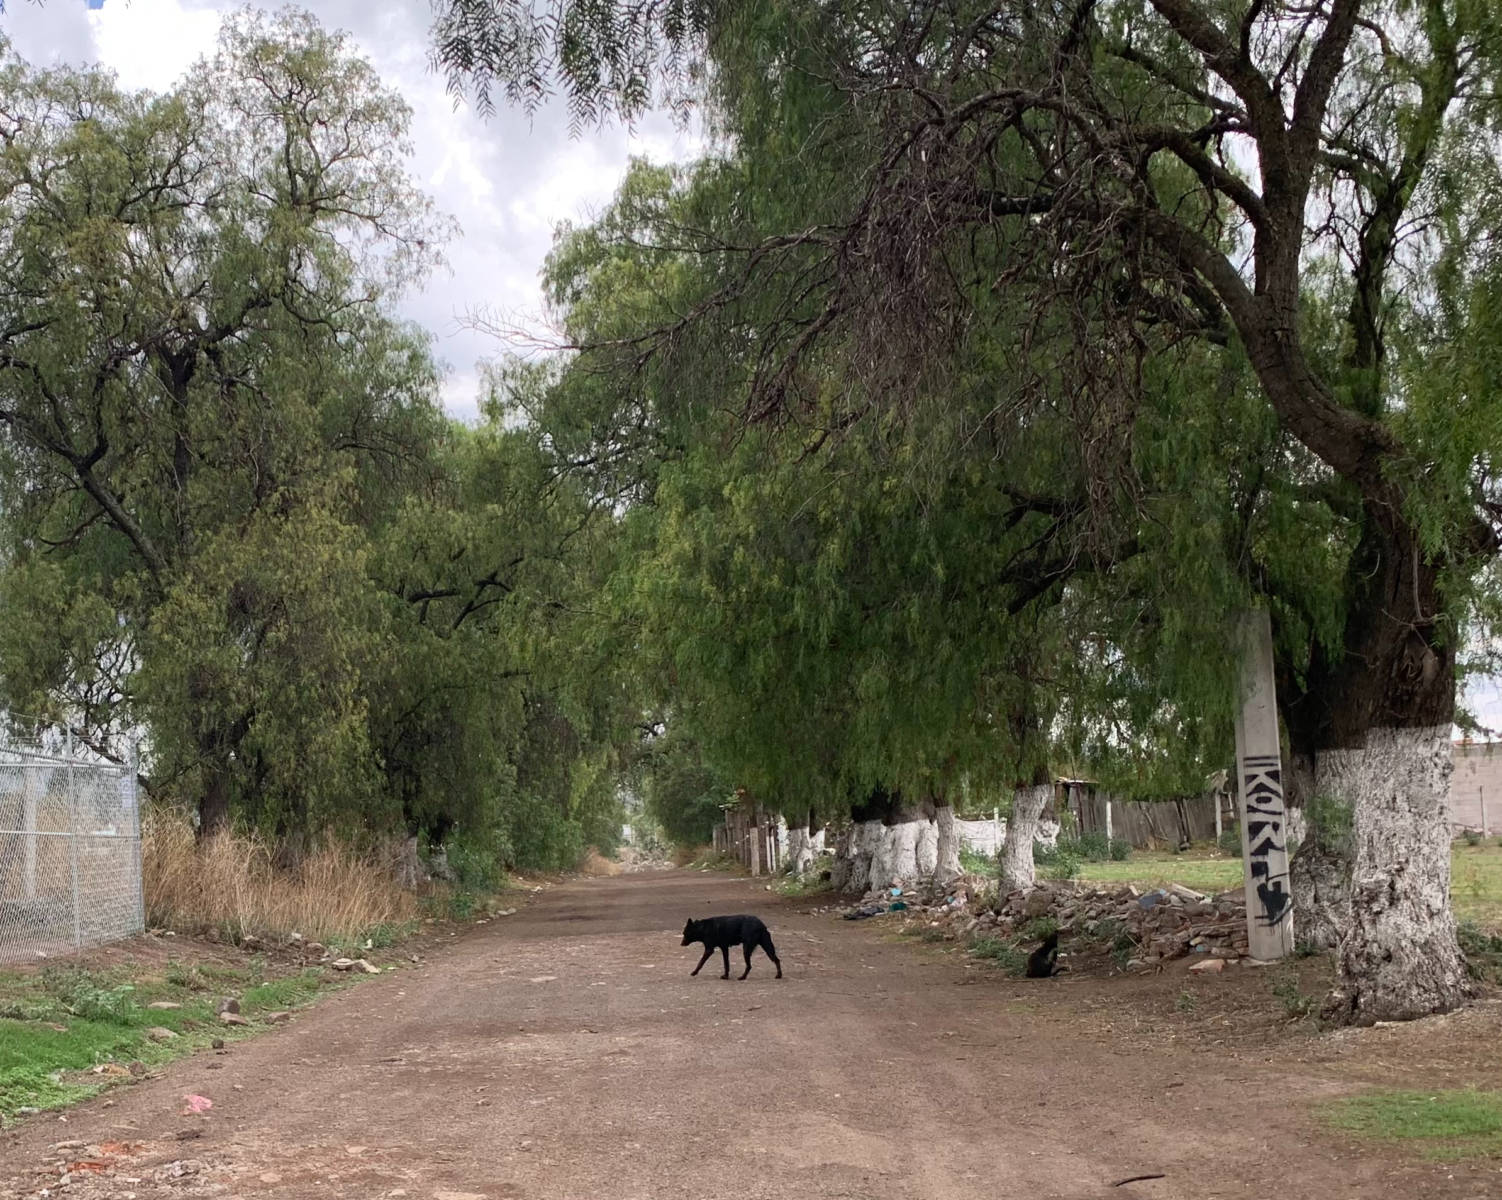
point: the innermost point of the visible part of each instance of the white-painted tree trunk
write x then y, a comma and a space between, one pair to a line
1320, 870
947, 845
927, 851
800, 850
856, 855
1017, 870
1399, 958
894, 860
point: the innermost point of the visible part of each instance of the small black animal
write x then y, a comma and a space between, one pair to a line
1042, 962
720, 933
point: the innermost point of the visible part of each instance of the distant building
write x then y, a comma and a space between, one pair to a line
1476, 786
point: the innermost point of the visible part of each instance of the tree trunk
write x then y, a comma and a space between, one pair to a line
213, 803
857, 855
948, 847
1017, 870
1399, 959
928, 849
1375, 722
894, 862
1320, 869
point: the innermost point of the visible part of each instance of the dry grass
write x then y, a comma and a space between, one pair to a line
594, 863
231, 884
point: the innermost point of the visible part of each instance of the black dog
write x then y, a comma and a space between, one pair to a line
720, 933
1041, 963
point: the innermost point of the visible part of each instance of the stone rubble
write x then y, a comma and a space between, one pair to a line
1163, 923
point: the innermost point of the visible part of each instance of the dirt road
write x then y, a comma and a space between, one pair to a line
565, 1053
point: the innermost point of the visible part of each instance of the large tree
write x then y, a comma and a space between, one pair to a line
1304, 188
233, 517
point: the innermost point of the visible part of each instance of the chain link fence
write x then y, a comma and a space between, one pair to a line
70, 847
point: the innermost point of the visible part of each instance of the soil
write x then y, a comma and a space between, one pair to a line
565, 1052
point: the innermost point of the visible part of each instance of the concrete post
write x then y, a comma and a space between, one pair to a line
1259, 785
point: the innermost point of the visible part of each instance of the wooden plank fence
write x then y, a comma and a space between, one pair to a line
752, 836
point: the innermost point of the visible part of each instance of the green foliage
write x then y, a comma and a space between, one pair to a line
1296, 1003
1096, 847
1038, 928
1063, 864
683, 792
1482, 949
1230, 841
999, 952
232, 511
474, 867
975, 863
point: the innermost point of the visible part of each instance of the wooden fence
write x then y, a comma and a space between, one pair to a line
752, 837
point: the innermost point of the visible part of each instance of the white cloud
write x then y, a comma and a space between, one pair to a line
509, 181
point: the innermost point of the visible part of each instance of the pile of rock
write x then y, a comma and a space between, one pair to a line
1165, 923
1159, 924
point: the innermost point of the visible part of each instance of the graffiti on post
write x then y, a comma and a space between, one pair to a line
1266, 837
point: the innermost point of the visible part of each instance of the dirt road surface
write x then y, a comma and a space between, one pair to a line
566, 1053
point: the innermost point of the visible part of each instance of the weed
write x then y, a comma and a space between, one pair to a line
1472, 837
1482, 950
186, 976
979, 864
1296, 1004
1186, 1002
1039, 928
1004, 954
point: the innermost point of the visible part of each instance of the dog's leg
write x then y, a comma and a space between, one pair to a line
708, 950
766, 944
748, 947
725, 953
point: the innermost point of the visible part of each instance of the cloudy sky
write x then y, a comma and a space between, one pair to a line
506, 180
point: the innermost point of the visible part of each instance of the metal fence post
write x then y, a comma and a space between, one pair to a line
133, 791
73, 843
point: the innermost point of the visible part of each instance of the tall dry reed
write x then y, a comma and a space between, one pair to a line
230, 882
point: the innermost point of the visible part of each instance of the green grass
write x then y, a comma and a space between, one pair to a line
1001, 953
1449, 1124
807, 885
1476, 883
1147, 869
1475, 876
60, 1023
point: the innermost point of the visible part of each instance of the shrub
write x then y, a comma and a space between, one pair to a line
1230, 841
1063, 865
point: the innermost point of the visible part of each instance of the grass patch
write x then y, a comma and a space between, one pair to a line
59, 1024
796, 886
1475, 876
1152, 870
973, 863
1450, 1124
1000, 953
1476, 884
1482, 950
